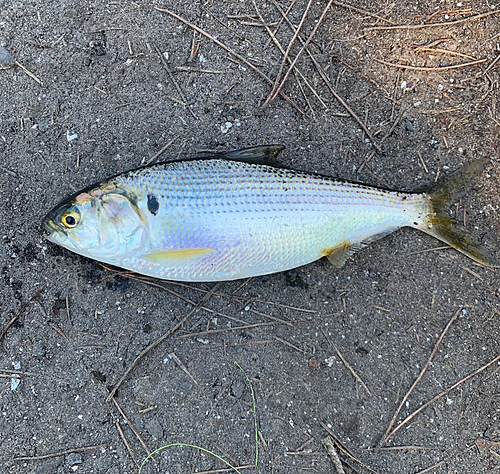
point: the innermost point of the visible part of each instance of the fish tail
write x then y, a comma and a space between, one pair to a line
441, 226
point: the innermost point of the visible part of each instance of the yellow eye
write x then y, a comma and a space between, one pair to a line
70, 219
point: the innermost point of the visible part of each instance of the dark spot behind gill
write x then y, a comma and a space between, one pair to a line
153, 204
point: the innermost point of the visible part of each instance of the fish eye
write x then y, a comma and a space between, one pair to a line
70, 219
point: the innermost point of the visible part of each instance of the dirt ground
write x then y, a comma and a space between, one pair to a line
86, 92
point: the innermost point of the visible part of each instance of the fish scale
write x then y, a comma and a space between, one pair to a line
257, 219
231, 217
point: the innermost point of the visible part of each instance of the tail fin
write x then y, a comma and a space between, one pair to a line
441, 226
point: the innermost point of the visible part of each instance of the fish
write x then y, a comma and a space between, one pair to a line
239, 214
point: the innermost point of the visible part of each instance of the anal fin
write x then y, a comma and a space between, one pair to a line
337, 256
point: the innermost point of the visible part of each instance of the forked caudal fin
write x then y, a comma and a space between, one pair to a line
441, 226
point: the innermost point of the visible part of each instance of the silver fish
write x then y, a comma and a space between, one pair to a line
236, 215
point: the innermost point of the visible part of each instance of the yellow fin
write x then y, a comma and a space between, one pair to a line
338, 255
442, 195
176, 254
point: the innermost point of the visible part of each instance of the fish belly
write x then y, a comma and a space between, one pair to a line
213, 226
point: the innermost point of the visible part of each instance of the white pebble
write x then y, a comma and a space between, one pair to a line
71, 137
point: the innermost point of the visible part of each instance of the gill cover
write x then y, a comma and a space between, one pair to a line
121, 225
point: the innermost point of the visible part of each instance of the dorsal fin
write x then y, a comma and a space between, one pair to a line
255, 155
259, 155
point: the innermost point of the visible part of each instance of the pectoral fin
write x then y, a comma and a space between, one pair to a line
169, 256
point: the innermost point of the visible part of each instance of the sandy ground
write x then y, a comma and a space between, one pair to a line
85, 93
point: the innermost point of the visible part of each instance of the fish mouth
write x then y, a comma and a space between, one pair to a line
49, 228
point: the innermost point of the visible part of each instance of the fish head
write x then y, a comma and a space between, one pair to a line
103, 223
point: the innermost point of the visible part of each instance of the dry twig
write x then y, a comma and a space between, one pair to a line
359, 73
332, 454
364, 12
228, 469
491, 64
148, 281
346, 452
215, 331
311, 36
296, 70
156, 155
431, 468
16, 372
443, 51
132, 427
423, 68
182, 367
289, 9
60, 453
230, 51
231, 296
67, 308
411, 447
286, 53
272, 318
342, 358
161, 339
289, 344
21, 310
173, 81
383, 139
29, 73
442, 394
125, 442
197, 69
327, 82
12, 376
419, 378
432, 25
59, 331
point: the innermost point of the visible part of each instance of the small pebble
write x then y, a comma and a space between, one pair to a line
38, 349
6, 58
72, 137
49, 468
314, 363
15, 381
237, 389
137, 419
144, 391
43, 126
410, 127
74, 458
154, 428
225, 128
